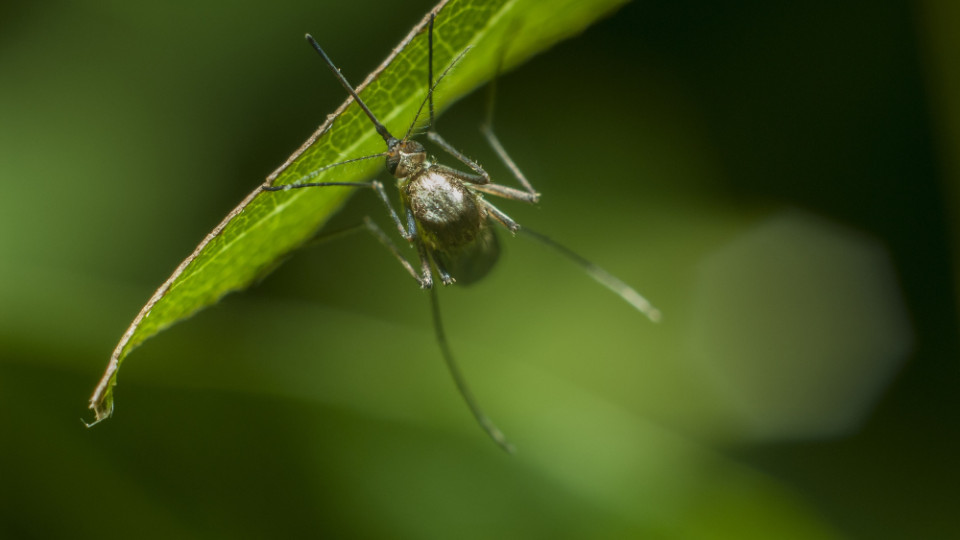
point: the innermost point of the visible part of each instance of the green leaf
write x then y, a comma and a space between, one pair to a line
266, 226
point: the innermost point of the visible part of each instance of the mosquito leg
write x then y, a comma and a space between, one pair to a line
601, 276
371, 227
431, 85
288, 187
501, 217
487, 129
481, 183
445, 276
437, 139
330, 236
375, 185
410, 234
469, 178
316, 172
309, 243
426, 276
461, 383
508, 193
424, 280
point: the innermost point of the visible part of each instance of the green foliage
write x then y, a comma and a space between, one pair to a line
266, 226
317, 405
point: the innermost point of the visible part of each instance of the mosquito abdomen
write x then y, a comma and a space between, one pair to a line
473, 261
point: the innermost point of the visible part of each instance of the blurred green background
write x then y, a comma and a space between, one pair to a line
768, 175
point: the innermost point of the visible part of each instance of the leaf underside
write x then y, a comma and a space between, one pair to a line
266, 226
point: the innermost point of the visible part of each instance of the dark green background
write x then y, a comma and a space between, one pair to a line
316, 404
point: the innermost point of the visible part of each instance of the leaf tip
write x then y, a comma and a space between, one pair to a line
101, 402
102, 410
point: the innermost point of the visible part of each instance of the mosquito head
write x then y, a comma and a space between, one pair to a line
405, 158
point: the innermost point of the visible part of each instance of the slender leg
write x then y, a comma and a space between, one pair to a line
508, 193
371, 227
427, 276
309, 243
482, 178
461, 383
487, 129
500, 216
316, 172
601, 276
473, 179
445, 276
375, 185
330, 236
437, 139
431, 85
425, 279
480, 183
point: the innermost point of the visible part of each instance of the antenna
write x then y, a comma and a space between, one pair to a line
381, 129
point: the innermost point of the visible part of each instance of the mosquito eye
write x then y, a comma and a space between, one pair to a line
393, 161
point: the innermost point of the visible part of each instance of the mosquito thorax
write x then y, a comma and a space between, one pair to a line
406, 158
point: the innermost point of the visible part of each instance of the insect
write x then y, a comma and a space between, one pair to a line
445, 217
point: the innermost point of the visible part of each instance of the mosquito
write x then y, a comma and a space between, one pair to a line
445, 217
